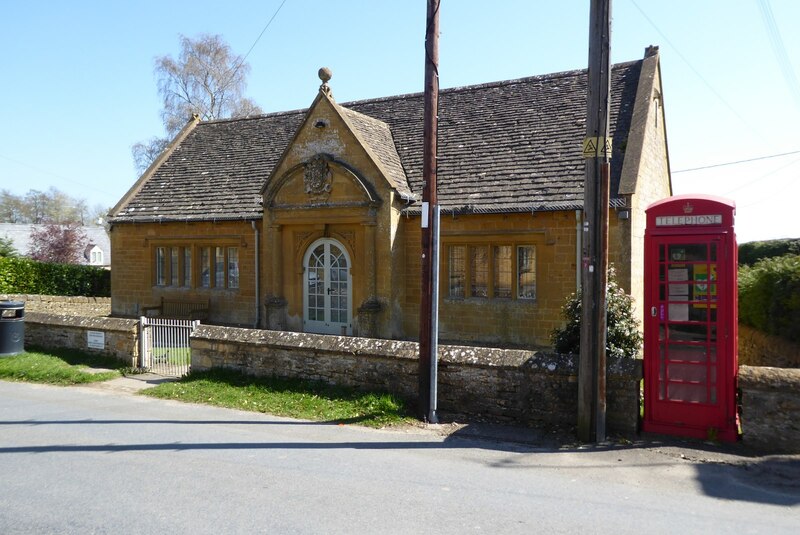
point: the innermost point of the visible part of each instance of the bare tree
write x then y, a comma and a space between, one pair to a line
61, 244
62, 208
97, 215
35, 206
206, 79
146, 152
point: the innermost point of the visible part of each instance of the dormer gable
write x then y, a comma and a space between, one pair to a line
335, 141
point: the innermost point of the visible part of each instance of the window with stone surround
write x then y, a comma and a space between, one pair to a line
187, 267
526, 272
503, 274
205, 267
217, 267
233, 267
491, 271
174, 271
161, 266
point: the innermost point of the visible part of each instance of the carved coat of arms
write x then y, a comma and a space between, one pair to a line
317, 176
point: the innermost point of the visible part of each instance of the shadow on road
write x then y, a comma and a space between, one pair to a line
748, 477
769, 480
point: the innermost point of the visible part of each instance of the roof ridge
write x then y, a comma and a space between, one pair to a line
254, 117
485, 85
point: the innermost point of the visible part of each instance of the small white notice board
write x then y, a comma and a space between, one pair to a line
95, 339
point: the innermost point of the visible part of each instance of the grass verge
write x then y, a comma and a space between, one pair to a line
59, 367
285, 397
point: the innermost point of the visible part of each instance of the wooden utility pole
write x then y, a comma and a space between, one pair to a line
428, 313
594, 275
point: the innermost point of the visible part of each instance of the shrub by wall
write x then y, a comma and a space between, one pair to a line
623, 338
26, 276
769, 296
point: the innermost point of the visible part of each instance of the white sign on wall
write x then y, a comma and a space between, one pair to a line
95, 339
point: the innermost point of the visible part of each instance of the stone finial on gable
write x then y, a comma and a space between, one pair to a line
651, 51
325, 74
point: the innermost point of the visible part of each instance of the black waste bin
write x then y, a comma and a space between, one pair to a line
12, 328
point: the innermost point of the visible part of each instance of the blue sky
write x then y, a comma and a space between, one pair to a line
79, 86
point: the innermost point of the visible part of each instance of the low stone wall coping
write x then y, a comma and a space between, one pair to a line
541, 362
54, 298
99, 323
766, 378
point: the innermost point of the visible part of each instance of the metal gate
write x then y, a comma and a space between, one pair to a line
164, 345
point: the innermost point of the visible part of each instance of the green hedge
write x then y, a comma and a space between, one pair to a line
26, 276
752, 252
769, 296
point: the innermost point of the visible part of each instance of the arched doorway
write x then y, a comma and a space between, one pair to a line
327, 289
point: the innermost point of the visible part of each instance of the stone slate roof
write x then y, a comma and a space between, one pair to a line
378, 137
503, 147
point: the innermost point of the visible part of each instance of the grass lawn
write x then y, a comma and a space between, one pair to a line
285, 397
179, 356
59, 367
224, 388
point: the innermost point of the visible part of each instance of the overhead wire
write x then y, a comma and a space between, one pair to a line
695, 71
232, 73
762, 177
722, 164
779, 50
269, 22
62, 177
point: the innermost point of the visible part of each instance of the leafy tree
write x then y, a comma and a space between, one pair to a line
51, 206
207, 79
11, 207
7, 248
623, 337
769, 296
60, 244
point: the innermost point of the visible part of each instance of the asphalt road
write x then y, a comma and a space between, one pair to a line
87, 460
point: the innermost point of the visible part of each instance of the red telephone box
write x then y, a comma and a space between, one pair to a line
690, 323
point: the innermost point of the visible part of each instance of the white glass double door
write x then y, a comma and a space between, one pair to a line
327, 289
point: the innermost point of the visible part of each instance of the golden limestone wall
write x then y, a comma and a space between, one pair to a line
356, 207
645, 176
494, 319
134, 281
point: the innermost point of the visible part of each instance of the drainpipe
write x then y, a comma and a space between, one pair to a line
578, 248
258, 291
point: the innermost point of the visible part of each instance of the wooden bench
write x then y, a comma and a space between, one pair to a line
186, 308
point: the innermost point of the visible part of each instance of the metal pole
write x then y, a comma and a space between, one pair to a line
429, 207
434, 369
597, 151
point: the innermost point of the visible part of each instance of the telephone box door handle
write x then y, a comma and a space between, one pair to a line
653, 311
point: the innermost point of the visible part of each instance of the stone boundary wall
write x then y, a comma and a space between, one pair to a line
757, 348
121, 336
771, 408
502, 385
56, 304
